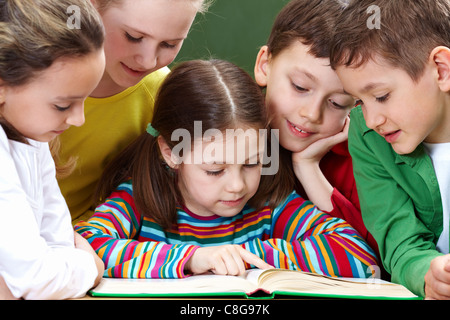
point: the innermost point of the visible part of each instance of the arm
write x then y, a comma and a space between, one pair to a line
307, 239
386, 190
112, 231
37, 263
308, 172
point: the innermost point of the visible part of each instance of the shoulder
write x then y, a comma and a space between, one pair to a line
292, 203
154, 80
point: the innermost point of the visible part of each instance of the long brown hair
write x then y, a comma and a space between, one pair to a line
215, 92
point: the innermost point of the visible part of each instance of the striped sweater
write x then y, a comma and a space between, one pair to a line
295, 235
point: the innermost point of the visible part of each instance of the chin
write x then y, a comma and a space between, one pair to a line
294, 147
404, 149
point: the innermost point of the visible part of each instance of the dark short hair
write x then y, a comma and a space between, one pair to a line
408, 31
309, 21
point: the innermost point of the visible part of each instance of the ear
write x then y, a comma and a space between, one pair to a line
261, 66
441, 59
166, 153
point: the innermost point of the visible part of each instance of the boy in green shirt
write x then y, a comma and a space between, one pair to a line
395, 57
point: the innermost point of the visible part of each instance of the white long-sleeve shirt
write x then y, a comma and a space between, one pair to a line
38, 259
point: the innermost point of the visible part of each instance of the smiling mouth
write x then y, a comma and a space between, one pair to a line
298, 130
133, 71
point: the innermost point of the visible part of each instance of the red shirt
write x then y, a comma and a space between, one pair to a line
337, 167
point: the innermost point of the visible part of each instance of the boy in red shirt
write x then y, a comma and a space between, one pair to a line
308, 105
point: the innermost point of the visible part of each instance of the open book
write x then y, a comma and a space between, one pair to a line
254, 283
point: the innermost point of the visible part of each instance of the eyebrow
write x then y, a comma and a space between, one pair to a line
310, 75
252, 159
306, 73
314, 78
370, 86
60, 98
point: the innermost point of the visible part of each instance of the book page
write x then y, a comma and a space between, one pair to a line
302, 282
206, 283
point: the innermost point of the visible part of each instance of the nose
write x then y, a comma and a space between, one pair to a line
76, 116
373, 117
312, 110
235, 183
147, 57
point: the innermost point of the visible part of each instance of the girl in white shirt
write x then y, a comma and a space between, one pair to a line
51, 59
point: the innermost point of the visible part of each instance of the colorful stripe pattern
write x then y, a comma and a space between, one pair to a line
296, 235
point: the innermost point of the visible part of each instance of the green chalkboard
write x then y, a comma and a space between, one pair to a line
232, 30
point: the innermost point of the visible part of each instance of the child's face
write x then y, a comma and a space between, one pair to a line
142, 36
304, 95
226, 176
49, 104
399, 109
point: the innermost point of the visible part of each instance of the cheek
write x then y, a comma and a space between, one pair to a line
200, 188
252, 180
166, 57
334, 124
116, 47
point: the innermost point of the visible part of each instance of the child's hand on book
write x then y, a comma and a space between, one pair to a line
223, 260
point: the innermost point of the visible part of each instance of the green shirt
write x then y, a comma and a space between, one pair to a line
400, 202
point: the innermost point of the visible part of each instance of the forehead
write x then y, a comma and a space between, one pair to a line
170, 17
299, 63
234, 146
370, 75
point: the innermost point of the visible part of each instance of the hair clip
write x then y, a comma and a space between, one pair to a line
152, 131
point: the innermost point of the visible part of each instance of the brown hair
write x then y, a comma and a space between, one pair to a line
407, 33
309, 21
217, 93
33, 34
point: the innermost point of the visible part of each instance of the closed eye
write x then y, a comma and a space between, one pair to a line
214, 173
383, 98
62, 109
168, 45
298, 88
337, 105
132, 39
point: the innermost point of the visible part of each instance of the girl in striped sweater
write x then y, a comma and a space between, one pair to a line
194, 193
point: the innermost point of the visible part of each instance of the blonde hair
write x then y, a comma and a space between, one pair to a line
34, 34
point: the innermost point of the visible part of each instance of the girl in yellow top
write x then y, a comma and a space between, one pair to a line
142, 38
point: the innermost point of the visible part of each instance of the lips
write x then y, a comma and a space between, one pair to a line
133, 72
391, 137
232, 203
58, 132
298, 131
